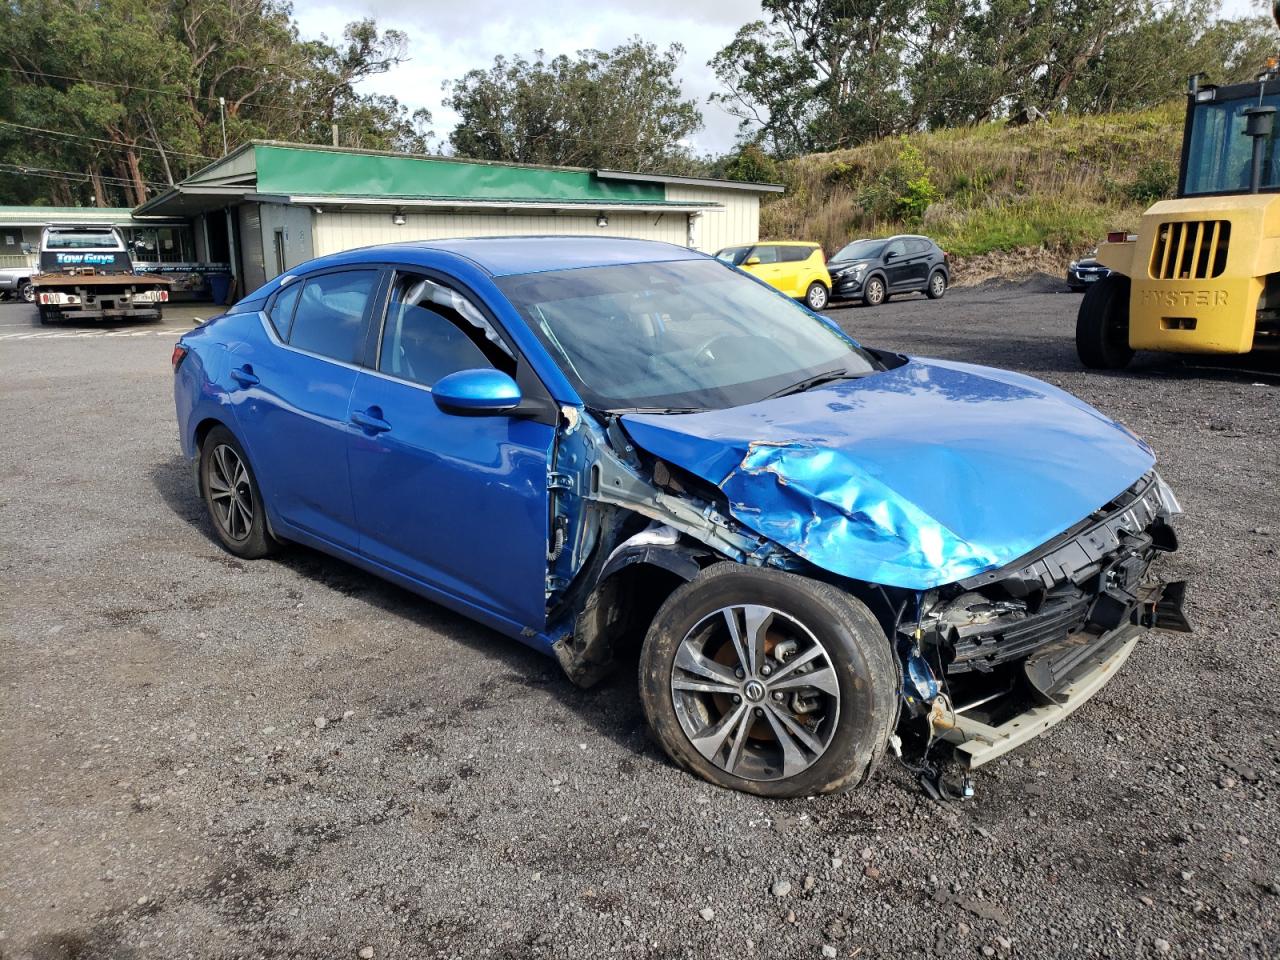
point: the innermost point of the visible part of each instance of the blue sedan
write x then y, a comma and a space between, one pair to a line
613, 448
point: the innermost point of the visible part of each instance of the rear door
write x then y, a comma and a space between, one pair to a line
794, 271
458, 503
919, 253
293, 397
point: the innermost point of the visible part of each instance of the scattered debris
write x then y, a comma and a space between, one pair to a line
707, 914
781, 888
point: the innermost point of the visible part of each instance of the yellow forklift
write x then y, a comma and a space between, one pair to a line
1202, 274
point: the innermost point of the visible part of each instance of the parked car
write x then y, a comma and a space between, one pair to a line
15, 283
1085, 271
874, 270
794, 267
592, 445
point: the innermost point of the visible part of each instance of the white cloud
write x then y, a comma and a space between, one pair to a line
448, 39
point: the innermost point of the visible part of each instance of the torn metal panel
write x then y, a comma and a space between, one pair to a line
980, 467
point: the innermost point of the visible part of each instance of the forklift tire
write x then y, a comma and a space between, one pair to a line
1102, 325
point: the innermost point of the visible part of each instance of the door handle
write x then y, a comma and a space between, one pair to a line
245, 376
370, 420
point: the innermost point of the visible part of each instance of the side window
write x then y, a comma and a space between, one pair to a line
329, 319
916, 247
897, 248
282, 310
432, 331
766, 254
795, 254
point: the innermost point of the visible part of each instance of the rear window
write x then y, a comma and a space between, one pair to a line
795, 254
329, 318
282, 309
82, 240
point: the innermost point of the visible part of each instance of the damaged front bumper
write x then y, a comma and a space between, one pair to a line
1059, 679
1010, 653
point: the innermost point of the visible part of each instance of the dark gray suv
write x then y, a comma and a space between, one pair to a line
874, 270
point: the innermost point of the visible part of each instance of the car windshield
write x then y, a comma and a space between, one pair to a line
684, 335
861, 250
733, 255
82, 240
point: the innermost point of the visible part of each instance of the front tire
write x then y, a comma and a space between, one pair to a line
817, 297
874, 293
1102, 325
231, 496
768, 682
937, 285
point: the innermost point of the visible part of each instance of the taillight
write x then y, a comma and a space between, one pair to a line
164, 296
1117, 236
179, 354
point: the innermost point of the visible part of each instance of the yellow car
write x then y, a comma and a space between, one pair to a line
796, 268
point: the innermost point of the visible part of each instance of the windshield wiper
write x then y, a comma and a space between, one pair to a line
829, 376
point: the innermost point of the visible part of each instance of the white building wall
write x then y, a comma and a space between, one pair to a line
339, 230
737, 222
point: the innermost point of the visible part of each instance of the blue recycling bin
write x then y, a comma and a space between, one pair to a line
219, 286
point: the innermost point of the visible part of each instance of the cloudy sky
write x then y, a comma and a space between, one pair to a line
446, 39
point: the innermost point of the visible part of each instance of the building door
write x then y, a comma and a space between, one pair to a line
279, 243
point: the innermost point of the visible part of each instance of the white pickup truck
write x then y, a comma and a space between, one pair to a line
86, 273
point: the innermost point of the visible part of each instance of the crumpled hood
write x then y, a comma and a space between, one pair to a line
913, 477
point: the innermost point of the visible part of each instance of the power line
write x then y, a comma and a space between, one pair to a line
79, 175
176, 95
110, 143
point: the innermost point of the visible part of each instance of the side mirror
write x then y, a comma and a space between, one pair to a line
890, 254
476, 392
751, 261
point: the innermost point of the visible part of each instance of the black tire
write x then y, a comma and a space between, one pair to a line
875, 292
1102, 325
249, 540
852, 641
937, 287
26, 291
817, 296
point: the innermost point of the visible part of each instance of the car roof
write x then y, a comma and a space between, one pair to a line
507, 256
782, 243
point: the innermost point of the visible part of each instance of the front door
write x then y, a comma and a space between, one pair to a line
897, 269
458, 503
293, 400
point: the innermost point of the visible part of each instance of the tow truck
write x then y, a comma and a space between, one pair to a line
87, 273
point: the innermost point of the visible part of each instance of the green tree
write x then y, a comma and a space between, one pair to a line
107, 101
619, 108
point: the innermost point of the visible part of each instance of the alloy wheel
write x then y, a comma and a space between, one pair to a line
817, 296
755, 692
28, 292
875, 292
939, 283
230, 493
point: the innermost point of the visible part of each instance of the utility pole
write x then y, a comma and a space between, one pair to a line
222, 119
335, 134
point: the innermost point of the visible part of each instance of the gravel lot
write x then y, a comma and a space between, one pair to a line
206, 758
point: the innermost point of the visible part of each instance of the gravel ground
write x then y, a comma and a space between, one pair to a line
207, 758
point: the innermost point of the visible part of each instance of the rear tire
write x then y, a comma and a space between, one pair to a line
1102, 325
743, 717
817, 297
874, 293
230, 493
937, 285
27, 291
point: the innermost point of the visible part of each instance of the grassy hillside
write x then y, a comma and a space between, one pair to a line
1055, 188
